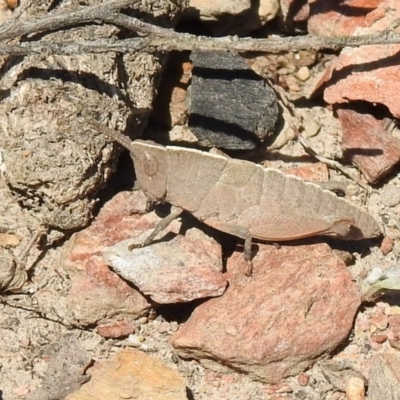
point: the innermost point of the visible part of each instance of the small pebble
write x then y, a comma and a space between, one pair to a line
393, 310
387, 245
303, 73
311, 127
355, 389
303, 379
12, 4
390, 195
379, 338
395, 344
143, 320
164, 327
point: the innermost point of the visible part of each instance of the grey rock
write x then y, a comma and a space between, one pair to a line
230, 105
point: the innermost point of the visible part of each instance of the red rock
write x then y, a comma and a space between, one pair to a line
366, 143
115, 330
387, 245
368, 73
317, 172
303, 379
378, 86
276, 323
342, 18
96, 295
132, 374
379, 338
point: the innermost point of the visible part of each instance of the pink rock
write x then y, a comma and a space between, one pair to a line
342, 18
95, 294
115, 330
368, 73
354, 80
387, 245
368, 144
298, 305
317, 172
180, 269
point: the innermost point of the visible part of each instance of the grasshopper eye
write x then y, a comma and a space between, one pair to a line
151, 165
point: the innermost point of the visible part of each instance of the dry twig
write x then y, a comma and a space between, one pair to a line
158, 38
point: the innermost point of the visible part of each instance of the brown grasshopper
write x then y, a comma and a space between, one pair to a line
240, 197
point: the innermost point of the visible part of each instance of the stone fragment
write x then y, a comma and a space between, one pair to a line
394, 324
390, 195
67, 363
379, 338
303, 379
368, 73
230, 105
367, 143
328, 18
95, 294
233, 17
339, 374
266, 325
317, 172
116, 330
350, 86
303, 73
355, 389
180, 269
384, 378
387, 245
131, 374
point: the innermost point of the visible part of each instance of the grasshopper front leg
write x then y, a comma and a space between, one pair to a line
163, 224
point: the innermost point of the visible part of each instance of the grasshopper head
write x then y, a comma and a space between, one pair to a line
151, 167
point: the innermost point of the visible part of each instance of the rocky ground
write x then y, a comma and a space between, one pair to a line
85, 317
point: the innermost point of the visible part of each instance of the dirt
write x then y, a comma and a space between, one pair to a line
26, 333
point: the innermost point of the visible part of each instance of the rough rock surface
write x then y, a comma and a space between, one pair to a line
132, 374
299, 304
293, 13
66, 364
329, 18
52, 161
368, 73
237, 17
368, 144
230, 105
384, 379
94, 294
174, 270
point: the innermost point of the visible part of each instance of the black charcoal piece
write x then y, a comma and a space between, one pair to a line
230, 105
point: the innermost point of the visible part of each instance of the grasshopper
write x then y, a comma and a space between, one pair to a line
240, 197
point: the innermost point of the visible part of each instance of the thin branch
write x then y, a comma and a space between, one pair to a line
15, 28
184, 41
136, 25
